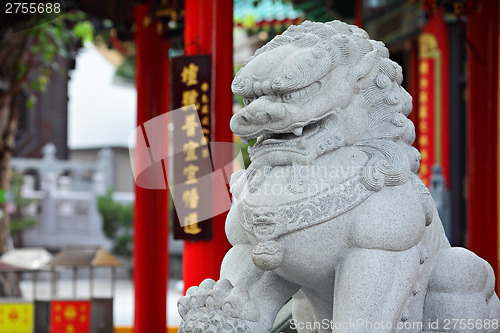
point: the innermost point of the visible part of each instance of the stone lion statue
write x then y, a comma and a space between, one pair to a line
331, 211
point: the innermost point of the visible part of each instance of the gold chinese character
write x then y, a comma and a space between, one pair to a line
424, 83
190, 74
423, 126
204, 98
191, 224
424, 67
190, 150
191, 198
189, 97
424, 169
205, 109
190, 125
190, 173
424, 153
424, 140
205, 153
424, 97
205, 121
423, 111
204, 87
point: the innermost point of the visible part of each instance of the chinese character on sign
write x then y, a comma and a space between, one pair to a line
204, 99
189, 97
190, 173
204, 87
205, 121
423, 111
424, 67
191, 198
205, 109
191, 224
190, 150
190, 74
190, 125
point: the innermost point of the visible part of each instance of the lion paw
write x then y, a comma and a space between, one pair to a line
217, 307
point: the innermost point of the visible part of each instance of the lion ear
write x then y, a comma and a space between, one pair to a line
366, 70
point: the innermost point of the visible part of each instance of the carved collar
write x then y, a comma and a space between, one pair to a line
271, 222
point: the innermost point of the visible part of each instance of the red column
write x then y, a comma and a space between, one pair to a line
209, 29
222, 72
413, 84
482, 117
358, 13
151, 206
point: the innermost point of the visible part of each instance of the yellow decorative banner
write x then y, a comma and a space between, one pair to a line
16, 317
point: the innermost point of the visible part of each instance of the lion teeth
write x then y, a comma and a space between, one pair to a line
244, 140
298, 131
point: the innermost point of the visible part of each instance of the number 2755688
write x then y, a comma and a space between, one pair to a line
32, 8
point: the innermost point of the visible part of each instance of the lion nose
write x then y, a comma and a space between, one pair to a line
260, 114
252, 118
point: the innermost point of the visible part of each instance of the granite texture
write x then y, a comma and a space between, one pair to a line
330, 209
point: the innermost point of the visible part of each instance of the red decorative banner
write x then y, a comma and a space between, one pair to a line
433, 98
432, 128
70, 316
425, 113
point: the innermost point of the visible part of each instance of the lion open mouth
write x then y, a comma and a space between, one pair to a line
297, 141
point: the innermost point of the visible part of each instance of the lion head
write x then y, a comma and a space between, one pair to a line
321, 86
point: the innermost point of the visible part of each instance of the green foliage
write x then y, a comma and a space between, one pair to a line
18, 221
127, 69
244, 150
85, 31
50, 41
247, 21
117, 223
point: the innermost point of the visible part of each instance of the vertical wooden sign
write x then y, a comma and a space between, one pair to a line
191, 79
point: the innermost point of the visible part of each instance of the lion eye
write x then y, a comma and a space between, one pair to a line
248, 100
302, 95
287, 98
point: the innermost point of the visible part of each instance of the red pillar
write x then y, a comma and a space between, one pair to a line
222, 73
151, 206
209, 29
413, 84
358, 13
482, 131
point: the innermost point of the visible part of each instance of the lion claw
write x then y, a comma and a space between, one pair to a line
217, 307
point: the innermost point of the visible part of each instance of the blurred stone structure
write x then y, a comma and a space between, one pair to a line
65, 194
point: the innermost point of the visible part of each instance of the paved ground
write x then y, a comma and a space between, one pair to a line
123, 300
